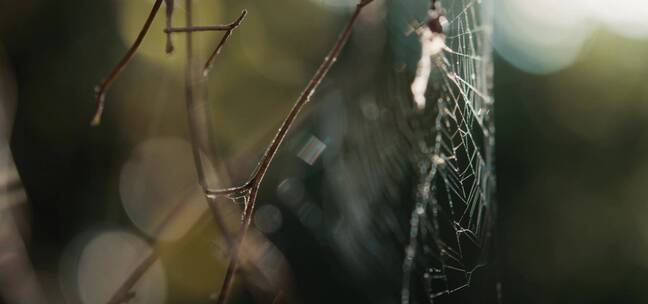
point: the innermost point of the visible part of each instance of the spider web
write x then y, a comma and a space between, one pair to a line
414, 186
450, 225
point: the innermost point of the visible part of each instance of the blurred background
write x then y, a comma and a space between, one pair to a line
82, 205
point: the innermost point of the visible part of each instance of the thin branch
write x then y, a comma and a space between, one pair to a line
100, 90
257, 177
311, 87
221, 43
124, 293
252, 186
232, 190
207, 28
198, 28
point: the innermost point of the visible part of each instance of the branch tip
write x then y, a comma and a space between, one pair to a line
100, 98
169, 44
222, 42
238, 20
266, 160
100, 90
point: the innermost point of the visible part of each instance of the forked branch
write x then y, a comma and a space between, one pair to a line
253, 184
124, 293
222, 42
206, 28
251, 187
102, 88
305, 96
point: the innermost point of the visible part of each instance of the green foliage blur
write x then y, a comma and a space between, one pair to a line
571, 165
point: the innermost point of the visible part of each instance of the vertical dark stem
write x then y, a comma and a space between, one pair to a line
169, 15
222, 42
190, 99
100, 90
196, 117
194, 127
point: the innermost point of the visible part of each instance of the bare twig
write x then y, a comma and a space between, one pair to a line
221, 43
124, 293
228, 28
251, 187
169, 17
207, 28
253, 184
100, 90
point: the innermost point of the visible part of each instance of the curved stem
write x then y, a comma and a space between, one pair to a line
124, 293
257, 177
100, 90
